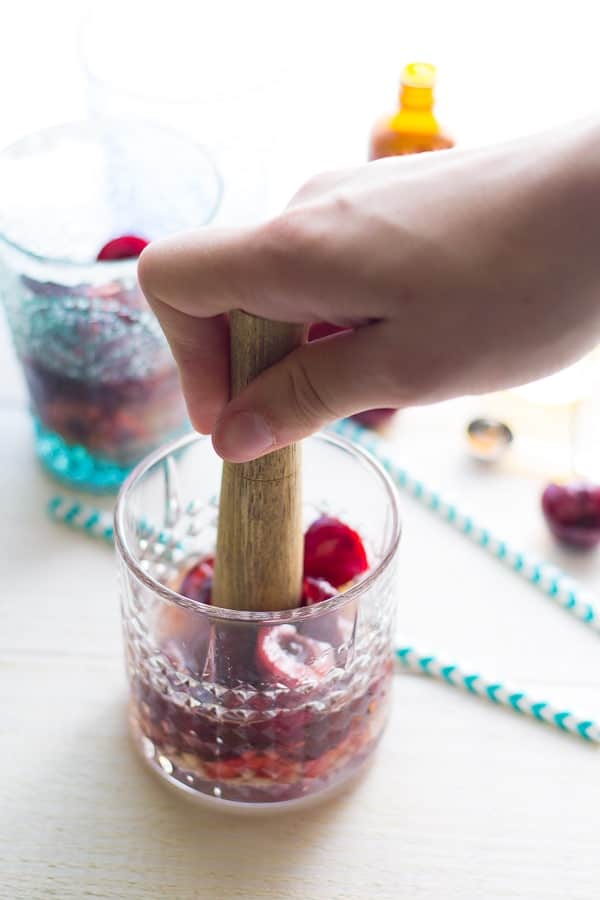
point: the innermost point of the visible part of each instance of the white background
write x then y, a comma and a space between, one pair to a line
505, 68
465, 801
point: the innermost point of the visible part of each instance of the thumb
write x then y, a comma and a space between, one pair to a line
315, 384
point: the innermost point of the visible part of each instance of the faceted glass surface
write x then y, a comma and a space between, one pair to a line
254, 708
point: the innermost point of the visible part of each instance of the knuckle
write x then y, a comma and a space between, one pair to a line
341, 203
289, 255
316, 184
303, 234
290, 234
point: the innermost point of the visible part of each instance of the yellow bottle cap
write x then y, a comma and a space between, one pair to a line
419, 75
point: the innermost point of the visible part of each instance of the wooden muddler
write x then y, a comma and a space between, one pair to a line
259, 554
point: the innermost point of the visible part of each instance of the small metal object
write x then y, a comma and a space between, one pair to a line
488, 439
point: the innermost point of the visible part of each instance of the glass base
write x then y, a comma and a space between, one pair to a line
329, 788
76, 467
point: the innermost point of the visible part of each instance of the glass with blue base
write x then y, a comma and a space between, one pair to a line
103, 386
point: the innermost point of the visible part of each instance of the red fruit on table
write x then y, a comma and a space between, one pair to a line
573, 513
127, 246
315, 590
197, 583
291, 658
333, 551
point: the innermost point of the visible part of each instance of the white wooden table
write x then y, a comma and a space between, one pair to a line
465, 800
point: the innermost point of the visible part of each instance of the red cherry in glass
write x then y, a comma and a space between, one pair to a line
323, 329
333, 551
374, 418
127, 246
197, 582
573, 513
315, 590
291, 658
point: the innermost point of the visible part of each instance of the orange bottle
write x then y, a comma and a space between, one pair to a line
414, 127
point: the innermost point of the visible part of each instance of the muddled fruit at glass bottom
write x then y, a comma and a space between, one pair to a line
116, 420
241, 753
250, 708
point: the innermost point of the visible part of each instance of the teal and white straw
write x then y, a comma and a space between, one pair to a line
163, 544
497, 692
549, 579
81, 517
160, 543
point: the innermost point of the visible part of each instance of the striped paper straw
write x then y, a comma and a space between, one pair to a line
153, 541
552, 581
82, 517
497, 692
160, 542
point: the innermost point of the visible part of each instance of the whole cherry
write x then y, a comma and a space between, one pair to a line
374, 418
572, 512
334, 552
127, 246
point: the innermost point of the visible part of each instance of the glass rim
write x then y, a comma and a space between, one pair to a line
110, 268
297, 614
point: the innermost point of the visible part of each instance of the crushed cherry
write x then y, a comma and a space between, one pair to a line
127, 246
292, 658
334, 556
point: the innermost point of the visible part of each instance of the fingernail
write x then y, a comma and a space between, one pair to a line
244, 436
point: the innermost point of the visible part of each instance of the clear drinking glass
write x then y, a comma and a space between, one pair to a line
251, 710
194, 68
103, 385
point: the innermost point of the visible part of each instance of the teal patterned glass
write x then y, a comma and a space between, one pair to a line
103, 386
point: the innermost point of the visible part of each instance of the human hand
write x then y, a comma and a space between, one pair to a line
459, 272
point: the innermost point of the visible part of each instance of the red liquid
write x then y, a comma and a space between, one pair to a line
98, 370
116, 420
255, 743
262, 713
